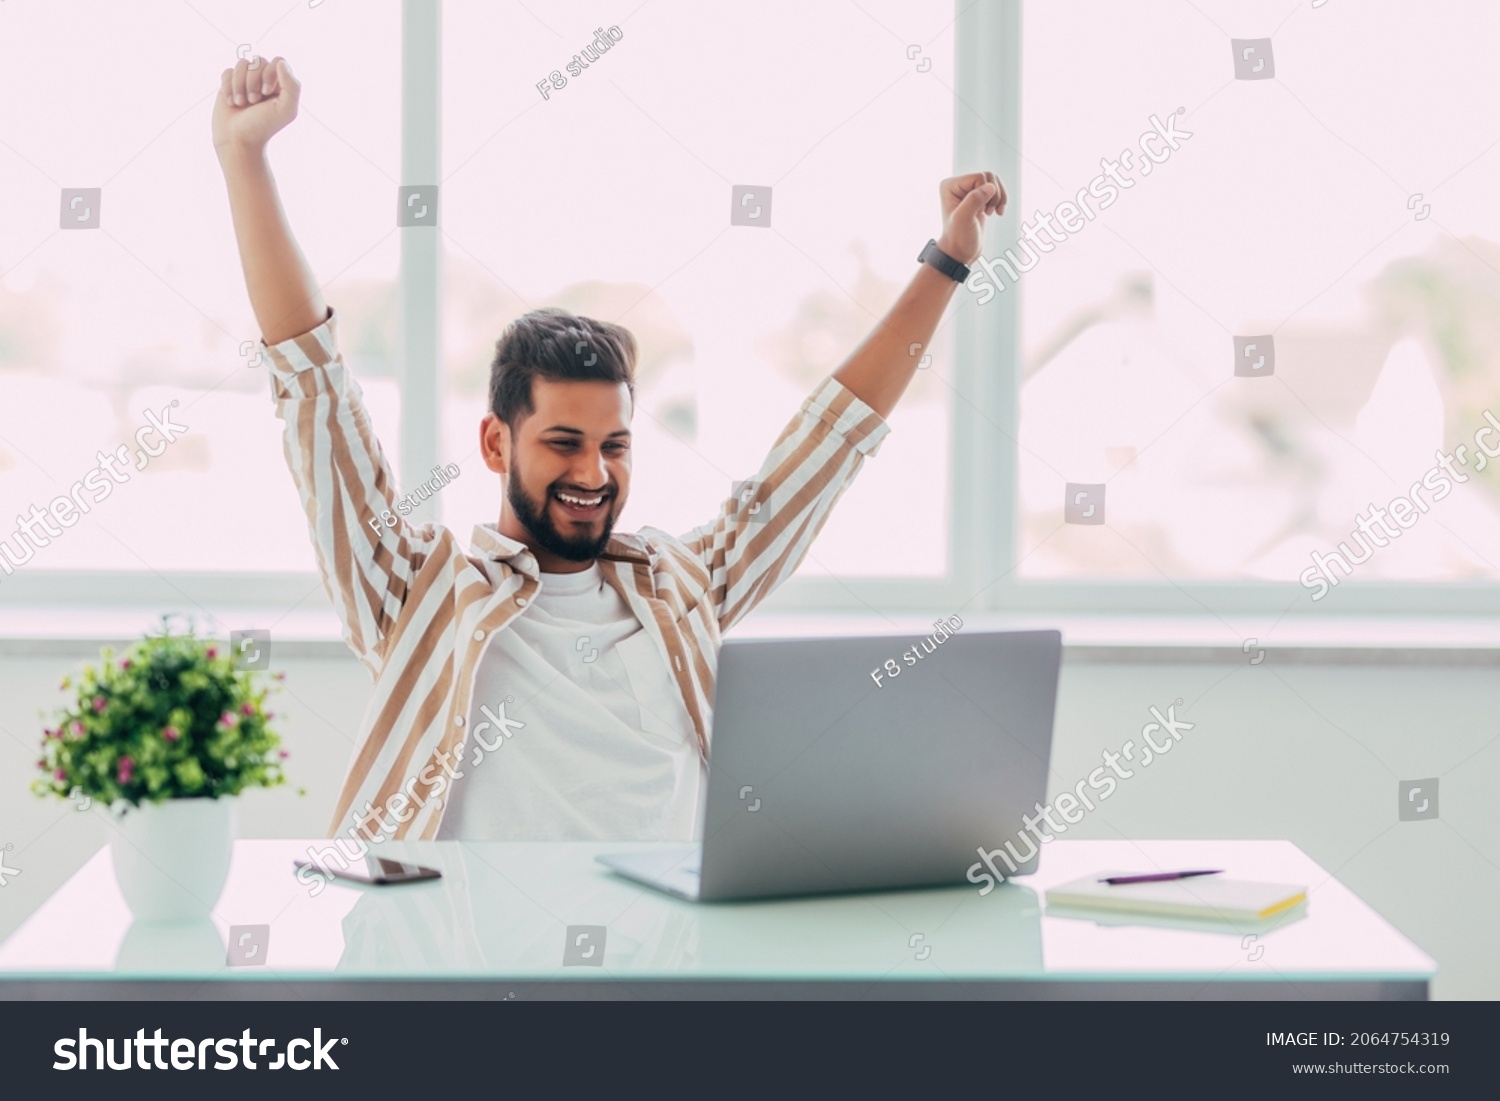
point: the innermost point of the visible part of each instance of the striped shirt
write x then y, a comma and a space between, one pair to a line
418, 611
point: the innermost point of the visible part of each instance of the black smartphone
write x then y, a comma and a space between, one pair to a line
376, 869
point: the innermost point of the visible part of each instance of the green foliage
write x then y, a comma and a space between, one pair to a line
170, 719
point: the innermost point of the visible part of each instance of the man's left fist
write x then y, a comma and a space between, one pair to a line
966, 201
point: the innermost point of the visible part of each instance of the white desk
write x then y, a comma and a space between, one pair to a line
496, 924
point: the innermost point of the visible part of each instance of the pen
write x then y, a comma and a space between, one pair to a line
1156, 877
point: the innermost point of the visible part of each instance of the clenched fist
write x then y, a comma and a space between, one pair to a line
966, 201
253, 104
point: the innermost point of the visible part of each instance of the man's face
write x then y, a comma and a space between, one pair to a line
568, 467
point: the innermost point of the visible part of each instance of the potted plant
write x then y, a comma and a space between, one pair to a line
163, 738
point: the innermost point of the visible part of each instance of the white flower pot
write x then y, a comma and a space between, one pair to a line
171, 859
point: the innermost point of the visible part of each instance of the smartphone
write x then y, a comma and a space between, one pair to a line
376, 869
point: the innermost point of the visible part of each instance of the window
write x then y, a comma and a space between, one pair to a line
610, 195
1318, 215
1322, 215
99, 325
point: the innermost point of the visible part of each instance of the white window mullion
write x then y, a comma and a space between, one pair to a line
986, 421
418, 286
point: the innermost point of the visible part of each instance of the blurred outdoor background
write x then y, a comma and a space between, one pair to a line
1290, 212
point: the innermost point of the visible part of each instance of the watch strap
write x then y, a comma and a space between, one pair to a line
944, 263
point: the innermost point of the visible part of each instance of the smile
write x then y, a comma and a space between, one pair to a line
580, 507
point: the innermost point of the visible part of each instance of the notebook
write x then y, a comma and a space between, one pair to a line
1203, 897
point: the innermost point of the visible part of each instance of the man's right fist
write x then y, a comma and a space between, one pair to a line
254, 103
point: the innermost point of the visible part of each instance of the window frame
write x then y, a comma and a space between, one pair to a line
984, 414
989, 69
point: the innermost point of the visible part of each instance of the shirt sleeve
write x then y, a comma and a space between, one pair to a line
764, 530
345, 483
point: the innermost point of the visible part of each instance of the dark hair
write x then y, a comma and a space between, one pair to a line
555, 344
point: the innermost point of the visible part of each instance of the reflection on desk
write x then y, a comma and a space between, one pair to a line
501, 917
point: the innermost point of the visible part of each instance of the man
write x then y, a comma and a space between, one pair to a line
603, 644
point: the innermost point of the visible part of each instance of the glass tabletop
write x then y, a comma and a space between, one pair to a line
548, 911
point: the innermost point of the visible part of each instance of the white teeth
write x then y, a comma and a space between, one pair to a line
590, 503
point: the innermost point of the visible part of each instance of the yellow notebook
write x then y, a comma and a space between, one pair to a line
1207, 897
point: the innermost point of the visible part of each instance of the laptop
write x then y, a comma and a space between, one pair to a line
824, 778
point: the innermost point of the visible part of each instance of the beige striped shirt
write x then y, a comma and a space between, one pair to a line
418, 611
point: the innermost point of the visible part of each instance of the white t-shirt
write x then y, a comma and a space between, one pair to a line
607, 752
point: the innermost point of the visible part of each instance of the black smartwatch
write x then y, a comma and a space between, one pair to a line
943, 262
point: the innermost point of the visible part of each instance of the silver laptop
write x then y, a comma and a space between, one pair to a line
822, 780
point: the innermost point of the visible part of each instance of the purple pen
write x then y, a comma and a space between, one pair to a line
1156, 877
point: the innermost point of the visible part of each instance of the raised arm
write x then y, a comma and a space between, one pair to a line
367, 553
253, 104
763, 533
879, 370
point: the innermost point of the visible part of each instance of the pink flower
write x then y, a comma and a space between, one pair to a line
171, 734
98, 703
213, 651
51, 734
281, 676
125, 663
41, 762
60, 774
284, 754
229, 718
247, 708
270, 714
127, 766
78, 728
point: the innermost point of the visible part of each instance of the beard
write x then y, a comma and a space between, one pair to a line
536, 518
